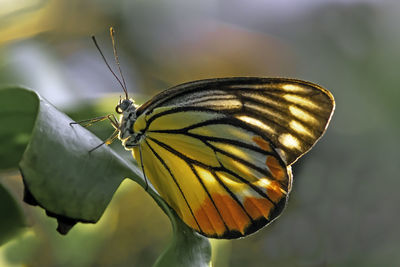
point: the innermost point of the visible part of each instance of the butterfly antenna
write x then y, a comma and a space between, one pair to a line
108, 65
112, 34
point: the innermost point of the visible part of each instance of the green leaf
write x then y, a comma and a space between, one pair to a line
12, 220
74, 185
18, 108
187, 248
63, 177
17, 119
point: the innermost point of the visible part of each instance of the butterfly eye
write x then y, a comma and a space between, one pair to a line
118, 109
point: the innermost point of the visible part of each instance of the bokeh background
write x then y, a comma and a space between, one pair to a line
344, 206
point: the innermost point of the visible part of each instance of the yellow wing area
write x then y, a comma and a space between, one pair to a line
219, 151
221, 178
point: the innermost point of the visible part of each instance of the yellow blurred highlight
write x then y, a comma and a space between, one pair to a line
21, 238
109, 221
218, 53
220, 252
24, 19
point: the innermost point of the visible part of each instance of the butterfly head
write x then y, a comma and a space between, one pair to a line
125, 105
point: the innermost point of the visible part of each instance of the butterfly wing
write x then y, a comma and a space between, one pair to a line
214, 149
292, 114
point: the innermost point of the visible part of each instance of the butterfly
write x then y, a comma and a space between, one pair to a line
219, 151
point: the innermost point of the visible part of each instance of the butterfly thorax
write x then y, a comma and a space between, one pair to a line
127, 135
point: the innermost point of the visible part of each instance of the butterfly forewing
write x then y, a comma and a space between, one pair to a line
292, 114
219, 151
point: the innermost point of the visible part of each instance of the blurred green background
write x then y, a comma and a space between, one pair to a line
343, 209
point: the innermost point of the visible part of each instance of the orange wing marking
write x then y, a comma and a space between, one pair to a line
275, 168
258, 207
262, 143
232, 214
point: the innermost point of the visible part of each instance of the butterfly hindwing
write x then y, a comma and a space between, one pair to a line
222, 180
219, 151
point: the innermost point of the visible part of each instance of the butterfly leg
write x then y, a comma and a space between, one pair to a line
108, 141
89, 122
